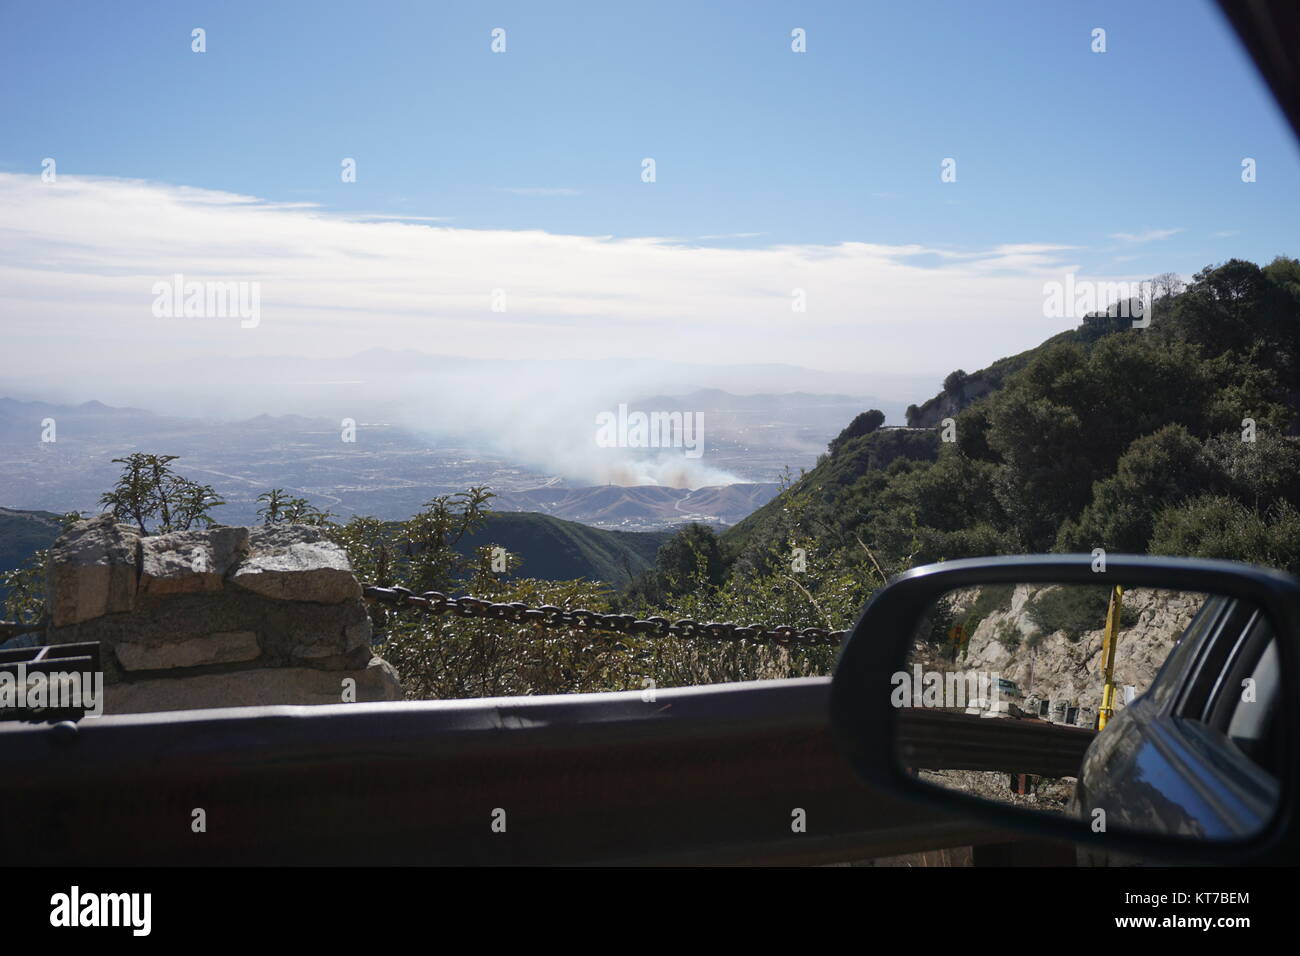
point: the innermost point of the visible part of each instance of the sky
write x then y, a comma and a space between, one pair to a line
500, 208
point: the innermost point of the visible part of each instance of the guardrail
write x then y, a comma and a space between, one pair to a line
696, 775
939, 740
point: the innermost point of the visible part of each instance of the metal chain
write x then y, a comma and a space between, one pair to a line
548, 615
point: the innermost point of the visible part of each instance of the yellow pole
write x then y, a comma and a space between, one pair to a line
1108, 657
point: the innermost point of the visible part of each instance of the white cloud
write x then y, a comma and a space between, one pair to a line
1148, 236
383, 216
78, 259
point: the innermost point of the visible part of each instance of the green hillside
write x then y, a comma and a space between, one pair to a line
557, 550
854, 456
21, 534
1175, 438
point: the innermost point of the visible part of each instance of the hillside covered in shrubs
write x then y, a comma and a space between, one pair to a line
1177, 438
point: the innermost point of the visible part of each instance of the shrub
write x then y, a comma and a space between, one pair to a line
863, 424
1215, 526
1075, 610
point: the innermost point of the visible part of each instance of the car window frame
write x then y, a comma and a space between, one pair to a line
1166, 688
1216, 644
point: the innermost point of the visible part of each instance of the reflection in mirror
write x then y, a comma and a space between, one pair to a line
1144, 710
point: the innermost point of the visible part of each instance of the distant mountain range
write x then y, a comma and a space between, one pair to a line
390, 471
385, 382
642, 507
605, 532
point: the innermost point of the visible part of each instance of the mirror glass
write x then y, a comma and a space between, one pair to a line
1143, 710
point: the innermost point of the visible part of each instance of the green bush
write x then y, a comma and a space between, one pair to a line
1009, 636
1075, 610
1216, 526
1164, 467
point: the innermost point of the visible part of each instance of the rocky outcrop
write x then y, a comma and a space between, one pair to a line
92, 571
296, 563
187, 562
947, 404
217, 617
1066, 673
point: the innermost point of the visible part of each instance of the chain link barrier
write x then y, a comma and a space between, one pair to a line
550, 616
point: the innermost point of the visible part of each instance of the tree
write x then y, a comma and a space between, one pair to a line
1167, 284
1062, 423
690, 558
429, 538
148, 489
370, 548
1159, 469
278, 506
1225, 309
863, 424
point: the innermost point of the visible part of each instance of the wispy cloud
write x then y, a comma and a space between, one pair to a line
388, 216
78, 259
1150, 235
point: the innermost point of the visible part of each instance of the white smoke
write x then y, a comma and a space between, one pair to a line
546, 419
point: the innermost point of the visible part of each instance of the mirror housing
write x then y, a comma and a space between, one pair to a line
866, 724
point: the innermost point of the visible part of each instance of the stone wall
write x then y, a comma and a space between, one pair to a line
220, 617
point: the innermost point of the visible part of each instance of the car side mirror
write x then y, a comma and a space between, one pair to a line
1144, 706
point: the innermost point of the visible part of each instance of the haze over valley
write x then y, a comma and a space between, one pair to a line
534, 458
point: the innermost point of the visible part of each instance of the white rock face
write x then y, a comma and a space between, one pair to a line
187, 562
92, 571
1059, 669
293, 563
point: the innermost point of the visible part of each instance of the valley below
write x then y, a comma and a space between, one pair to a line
389, 471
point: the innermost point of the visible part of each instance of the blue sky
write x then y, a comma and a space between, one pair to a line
1053, 142
1125, 162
